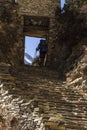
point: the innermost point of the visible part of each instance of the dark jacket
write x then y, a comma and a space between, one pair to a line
43, 47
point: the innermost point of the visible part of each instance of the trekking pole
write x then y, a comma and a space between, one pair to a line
45, 59
34, 55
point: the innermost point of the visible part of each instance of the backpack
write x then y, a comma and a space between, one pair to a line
43, 46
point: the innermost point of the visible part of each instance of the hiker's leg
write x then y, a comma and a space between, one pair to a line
41, 59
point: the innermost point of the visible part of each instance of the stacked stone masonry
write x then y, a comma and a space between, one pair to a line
38, 7
40, 101
17, 12
45, 9
33, 98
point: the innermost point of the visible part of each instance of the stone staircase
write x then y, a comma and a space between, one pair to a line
39, 96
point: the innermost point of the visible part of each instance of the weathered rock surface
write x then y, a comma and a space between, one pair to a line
10, 33
37, 100
33, 98
26, 102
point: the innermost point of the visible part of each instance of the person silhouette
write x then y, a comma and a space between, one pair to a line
42, 48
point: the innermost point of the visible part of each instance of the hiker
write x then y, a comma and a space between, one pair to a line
14, 1
42, 48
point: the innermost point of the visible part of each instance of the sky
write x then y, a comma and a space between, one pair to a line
30, 45
32, 42
62, 3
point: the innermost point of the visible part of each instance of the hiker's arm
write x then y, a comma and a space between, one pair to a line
38, 47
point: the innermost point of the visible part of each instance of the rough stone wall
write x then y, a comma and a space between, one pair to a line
77, 51
52, 41
38, 7
71, 34
12, 25
10, 33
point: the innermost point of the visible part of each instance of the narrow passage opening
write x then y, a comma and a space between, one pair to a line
30, 53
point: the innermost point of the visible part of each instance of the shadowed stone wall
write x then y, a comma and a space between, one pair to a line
13, 29
71, 34
11, 33
12, 26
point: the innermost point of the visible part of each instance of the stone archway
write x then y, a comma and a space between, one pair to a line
36, 27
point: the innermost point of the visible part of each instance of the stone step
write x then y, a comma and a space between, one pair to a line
75, 127
50, 96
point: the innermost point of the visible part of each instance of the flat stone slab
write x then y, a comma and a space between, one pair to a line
5, 77
53, 126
